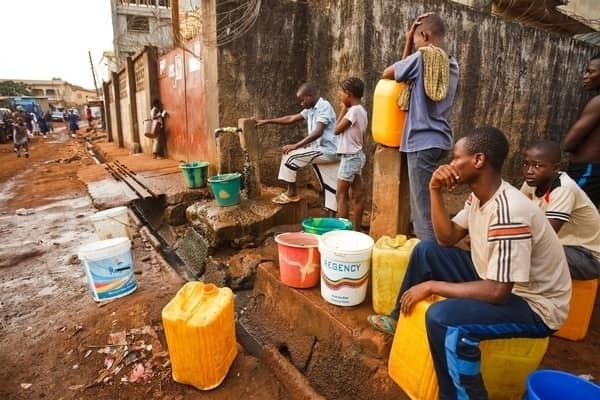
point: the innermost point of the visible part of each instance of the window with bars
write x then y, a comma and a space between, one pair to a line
146, 3
138, 23
139, 71
122, 86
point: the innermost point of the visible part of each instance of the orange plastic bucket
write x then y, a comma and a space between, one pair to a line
299, 259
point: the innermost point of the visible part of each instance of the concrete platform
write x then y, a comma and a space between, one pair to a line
334, 347
161, 177
247, 221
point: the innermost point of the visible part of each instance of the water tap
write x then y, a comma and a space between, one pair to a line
230, 129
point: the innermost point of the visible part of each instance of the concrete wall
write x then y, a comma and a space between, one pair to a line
131, 91
524, 81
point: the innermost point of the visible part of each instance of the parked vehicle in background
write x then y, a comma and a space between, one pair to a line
57, 114
96, 112
6, 128
29, 105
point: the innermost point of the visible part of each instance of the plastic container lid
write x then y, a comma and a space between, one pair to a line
109, 213
349, 242
194, 164
224, 177
323, 225
102, 249
297, 239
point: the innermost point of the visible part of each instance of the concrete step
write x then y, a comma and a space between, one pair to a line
334, 347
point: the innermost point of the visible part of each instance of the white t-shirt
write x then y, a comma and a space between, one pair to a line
511, 241
351, 140
567, 202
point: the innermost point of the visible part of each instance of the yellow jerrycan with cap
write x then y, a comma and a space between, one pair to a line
388, 265
200, 330
387, 121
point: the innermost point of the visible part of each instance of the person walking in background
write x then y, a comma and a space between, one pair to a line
513, 283
318, 147
569, 210
427, 135
48, 119
582, 142
89, 117
44, 129
350, 127
21, 137
35, 126
20, 113
157, 114
73, 126
66, 119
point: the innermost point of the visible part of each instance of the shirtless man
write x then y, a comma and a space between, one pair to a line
583, 139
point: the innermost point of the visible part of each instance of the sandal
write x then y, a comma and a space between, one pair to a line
382, 323
284, 198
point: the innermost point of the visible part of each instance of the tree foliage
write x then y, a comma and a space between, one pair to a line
12, 88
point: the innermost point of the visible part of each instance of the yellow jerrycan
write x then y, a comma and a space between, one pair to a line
387, 122
389, 261
200, 330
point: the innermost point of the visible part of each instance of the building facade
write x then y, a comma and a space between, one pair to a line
139, 23
57, 92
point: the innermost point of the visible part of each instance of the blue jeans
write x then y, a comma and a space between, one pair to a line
455, 326
421, 165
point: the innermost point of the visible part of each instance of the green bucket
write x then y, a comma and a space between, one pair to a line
320, 226
195, 173
226, 188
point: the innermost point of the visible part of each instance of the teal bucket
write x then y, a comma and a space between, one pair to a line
195, 173
226, 188
547, 384
318, 226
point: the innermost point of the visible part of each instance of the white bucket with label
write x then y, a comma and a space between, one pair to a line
108, 265
112, 223
345, 265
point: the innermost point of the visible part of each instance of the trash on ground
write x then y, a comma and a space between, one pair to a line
24, 211
76, 329
117, 338
587, 377
128, 357
26, 385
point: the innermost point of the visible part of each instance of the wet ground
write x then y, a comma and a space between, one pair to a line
55, 337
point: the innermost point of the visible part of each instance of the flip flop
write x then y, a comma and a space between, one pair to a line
382, 323
283, 198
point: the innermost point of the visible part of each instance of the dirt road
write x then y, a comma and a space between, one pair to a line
54, 336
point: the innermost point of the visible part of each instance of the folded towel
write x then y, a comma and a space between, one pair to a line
436, 77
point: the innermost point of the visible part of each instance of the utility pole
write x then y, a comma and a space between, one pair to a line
175, 28
93, 73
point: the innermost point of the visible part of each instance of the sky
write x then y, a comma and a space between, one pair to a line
45, 39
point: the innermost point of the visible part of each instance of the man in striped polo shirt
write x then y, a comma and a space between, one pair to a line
513, 283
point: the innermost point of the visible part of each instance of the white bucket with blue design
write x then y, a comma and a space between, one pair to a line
108, 265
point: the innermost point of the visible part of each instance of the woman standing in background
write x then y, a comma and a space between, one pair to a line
157, 113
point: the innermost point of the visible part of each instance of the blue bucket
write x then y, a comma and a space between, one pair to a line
547, 384
226, 188
319, 226
195, 173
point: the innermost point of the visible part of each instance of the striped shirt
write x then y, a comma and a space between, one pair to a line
511, 241
567, 202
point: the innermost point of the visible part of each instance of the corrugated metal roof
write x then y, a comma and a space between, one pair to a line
591, 38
